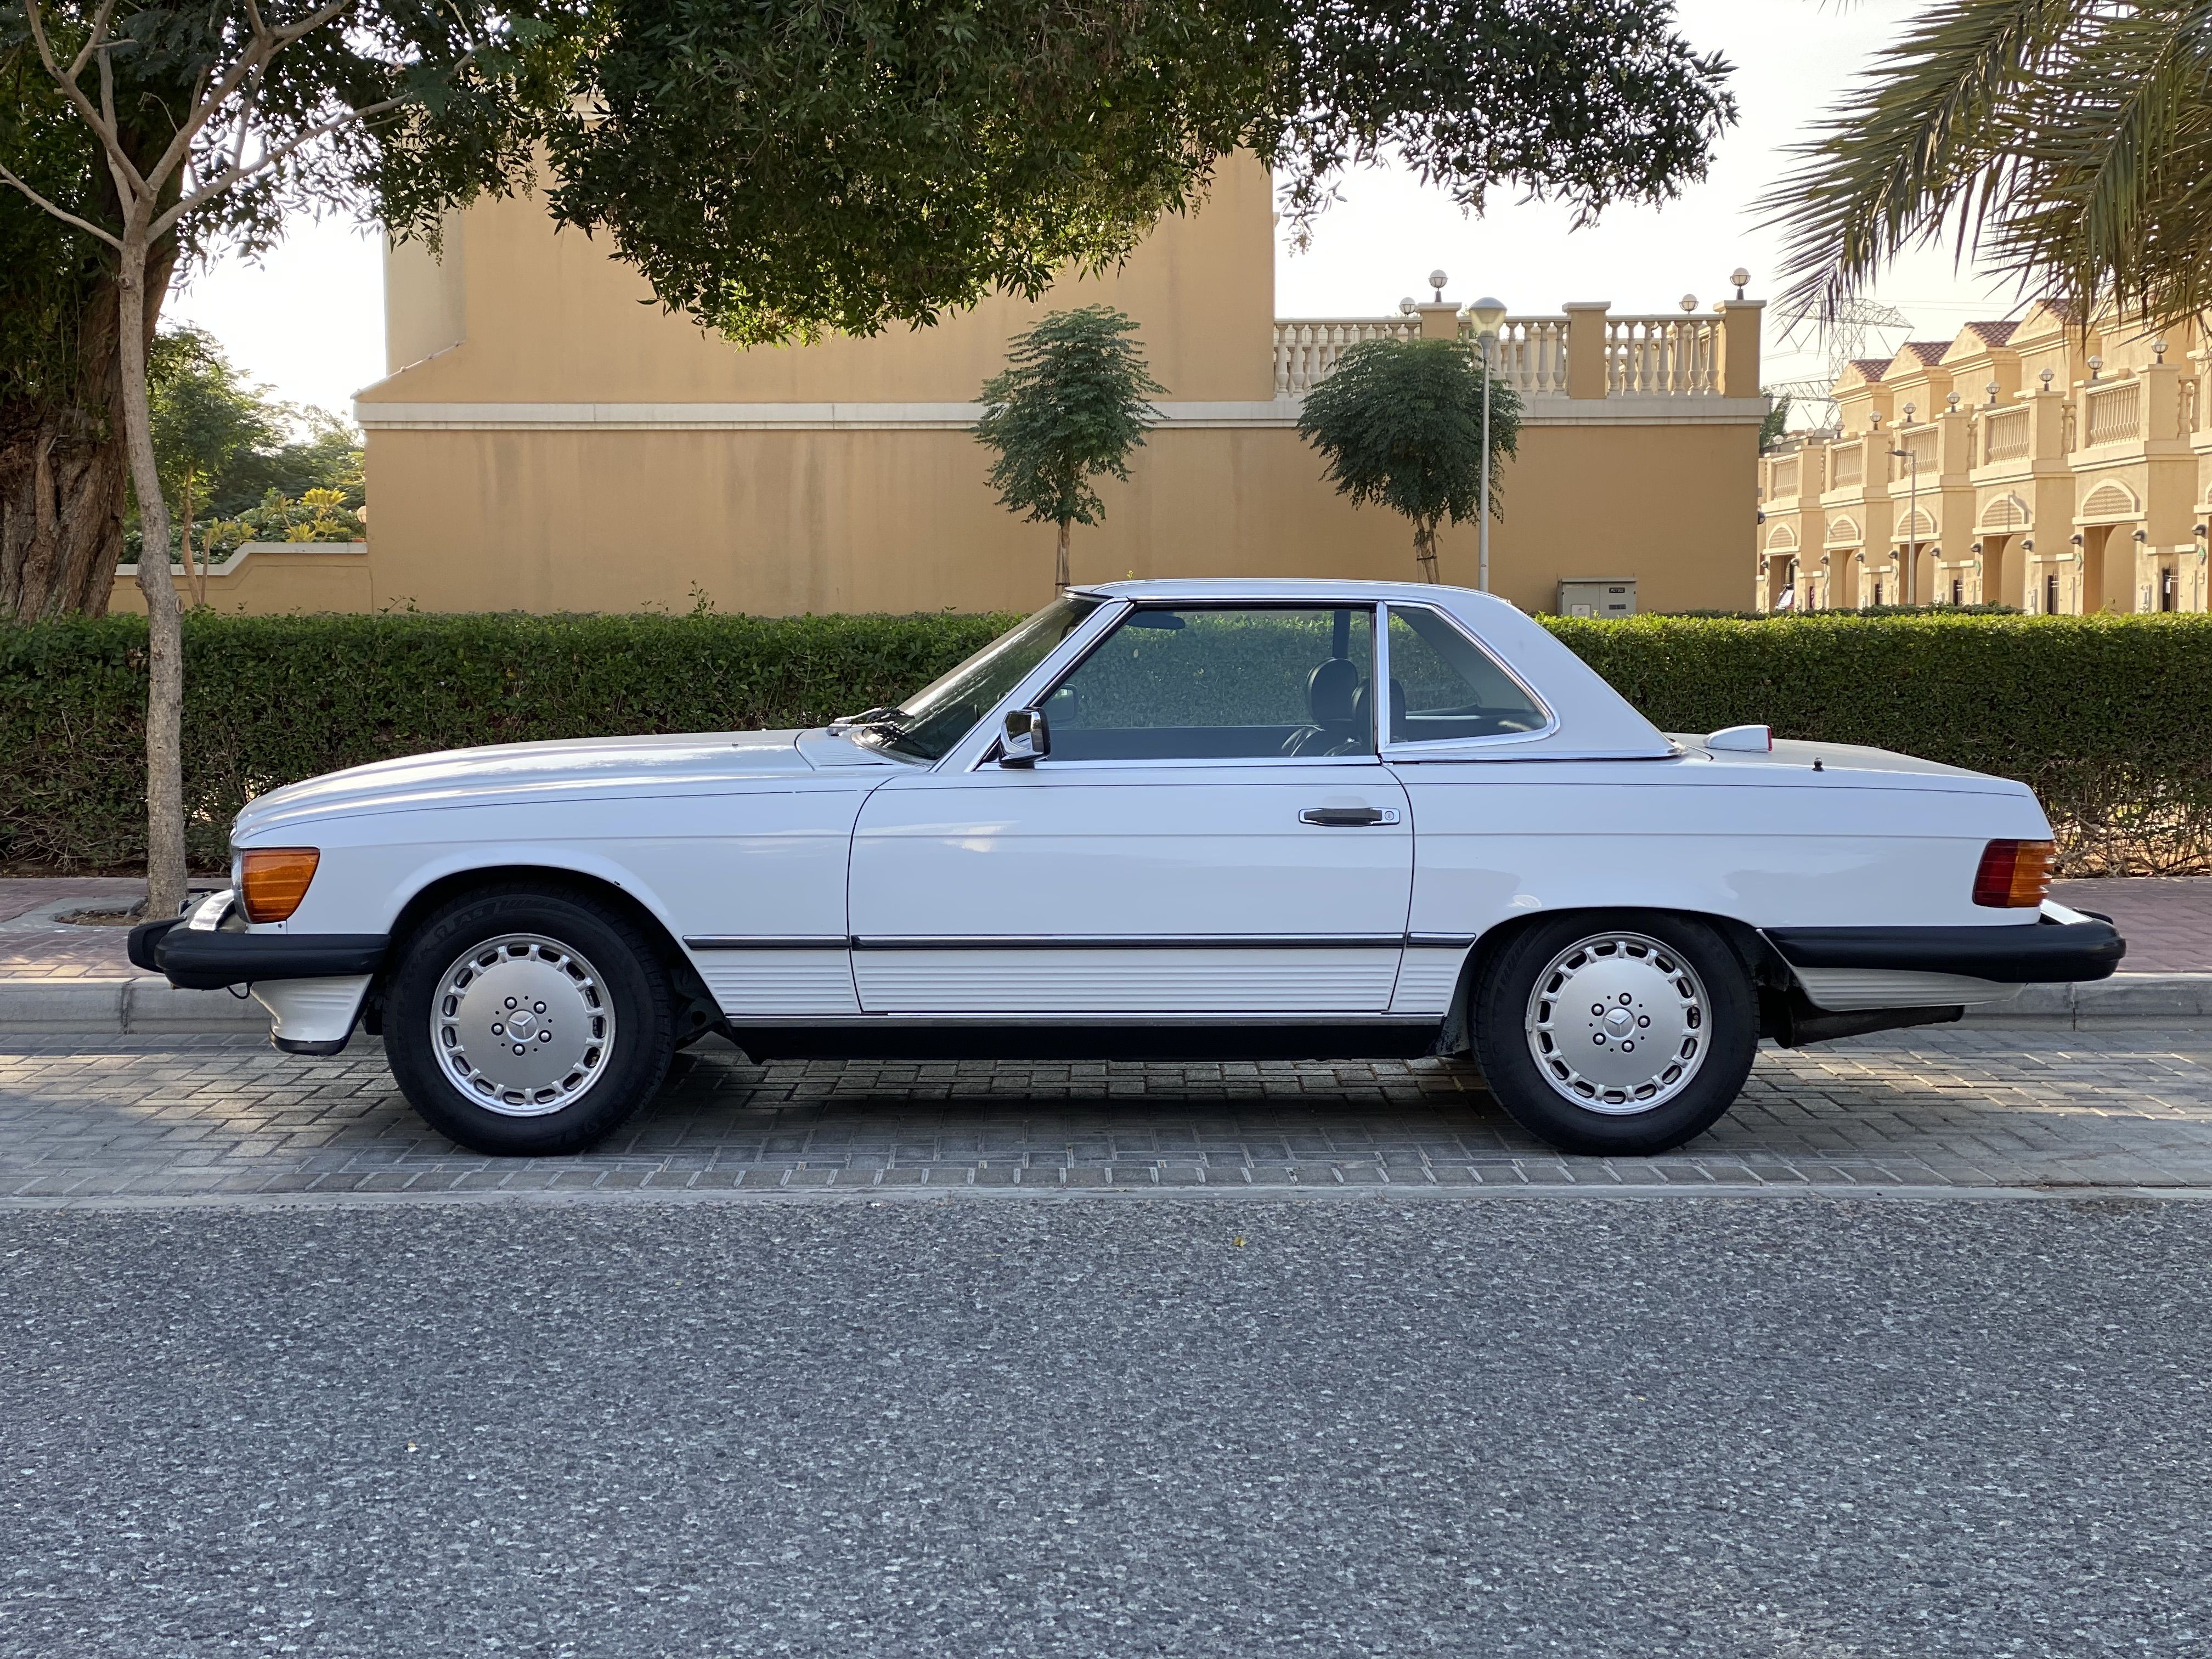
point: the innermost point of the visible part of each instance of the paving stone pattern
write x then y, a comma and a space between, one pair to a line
97, 1118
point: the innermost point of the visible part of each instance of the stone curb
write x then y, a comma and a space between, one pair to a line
2122, 999
143, 1006
138, 1006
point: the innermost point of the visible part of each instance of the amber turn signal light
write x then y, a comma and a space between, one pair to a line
2014, 875
272, 880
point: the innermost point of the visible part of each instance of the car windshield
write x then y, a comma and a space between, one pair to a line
927, 724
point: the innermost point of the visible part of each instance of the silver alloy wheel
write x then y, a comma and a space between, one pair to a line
1618, 1024
523, 1025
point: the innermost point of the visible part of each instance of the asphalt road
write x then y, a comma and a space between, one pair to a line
1802, 1427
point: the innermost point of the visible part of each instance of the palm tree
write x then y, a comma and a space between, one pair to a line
2065, 143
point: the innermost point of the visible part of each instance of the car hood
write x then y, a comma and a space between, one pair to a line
687, 763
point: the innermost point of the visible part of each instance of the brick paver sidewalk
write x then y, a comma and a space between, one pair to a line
90, 1119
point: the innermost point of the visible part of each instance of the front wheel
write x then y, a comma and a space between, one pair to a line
525, 1023
1620, 1037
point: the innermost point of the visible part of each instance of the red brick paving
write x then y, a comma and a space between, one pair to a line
2166, 920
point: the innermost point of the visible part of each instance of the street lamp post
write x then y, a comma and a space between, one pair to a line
1911, 518
1488, 313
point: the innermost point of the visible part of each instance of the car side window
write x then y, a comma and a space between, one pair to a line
1443, 686
1209, 682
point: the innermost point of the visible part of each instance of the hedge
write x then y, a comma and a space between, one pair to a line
2098, 714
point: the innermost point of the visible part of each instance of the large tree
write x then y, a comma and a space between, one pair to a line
2064, 143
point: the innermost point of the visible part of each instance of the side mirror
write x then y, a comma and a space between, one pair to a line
1029, 738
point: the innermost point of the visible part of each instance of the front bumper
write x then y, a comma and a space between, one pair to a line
311, 984
196, 959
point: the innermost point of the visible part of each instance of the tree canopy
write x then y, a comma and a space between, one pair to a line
241, 462
781, 170
2061, 142
1400, 422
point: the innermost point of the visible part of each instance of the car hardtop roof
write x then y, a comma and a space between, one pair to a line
1590, 718
1274, 588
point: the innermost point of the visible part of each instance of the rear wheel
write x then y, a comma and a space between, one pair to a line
1622, 1035
524, 1024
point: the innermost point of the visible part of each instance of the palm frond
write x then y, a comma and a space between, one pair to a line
1928, 140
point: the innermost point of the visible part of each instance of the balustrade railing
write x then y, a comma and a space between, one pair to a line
1919, 447
1663, 356
1782, 479
1530, 355
2004, 435
1846, 465
1644, 356
2114, 413
1307, 348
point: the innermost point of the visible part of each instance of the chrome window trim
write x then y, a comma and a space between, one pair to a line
1436, 747
1188, 763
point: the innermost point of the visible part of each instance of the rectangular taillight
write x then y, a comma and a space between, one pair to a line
272, 880
2014, 875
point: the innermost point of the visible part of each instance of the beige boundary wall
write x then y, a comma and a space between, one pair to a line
267, 578
550, 440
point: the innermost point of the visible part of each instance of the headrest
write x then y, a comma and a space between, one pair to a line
1332, 691
1362, 708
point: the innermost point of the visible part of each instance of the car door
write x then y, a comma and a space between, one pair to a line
1455, 709
1210, 833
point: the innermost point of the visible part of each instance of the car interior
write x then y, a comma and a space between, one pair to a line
1199, 683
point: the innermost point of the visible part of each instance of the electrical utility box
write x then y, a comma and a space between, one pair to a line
1593, 596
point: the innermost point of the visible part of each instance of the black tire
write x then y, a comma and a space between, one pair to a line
1557, 1103
598, 974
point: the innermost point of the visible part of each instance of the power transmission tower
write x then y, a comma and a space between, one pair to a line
1846, 335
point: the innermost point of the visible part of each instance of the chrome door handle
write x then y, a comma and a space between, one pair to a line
1343, 817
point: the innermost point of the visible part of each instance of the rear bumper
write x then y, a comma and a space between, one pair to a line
194, 959
2063, 947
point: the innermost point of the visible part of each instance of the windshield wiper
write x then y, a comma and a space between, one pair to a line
884, 718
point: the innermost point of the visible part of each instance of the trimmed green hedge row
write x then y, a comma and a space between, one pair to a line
2097, 714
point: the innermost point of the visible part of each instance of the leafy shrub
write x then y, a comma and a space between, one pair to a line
2094, 713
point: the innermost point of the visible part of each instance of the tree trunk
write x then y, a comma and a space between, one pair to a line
63, 469
61, 514
165, 678
1424, 551
194, 577
1059, 578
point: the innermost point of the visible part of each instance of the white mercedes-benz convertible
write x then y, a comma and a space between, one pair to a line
1158, 819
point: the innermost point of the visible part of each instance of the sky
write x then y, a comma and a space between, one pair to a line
308, 319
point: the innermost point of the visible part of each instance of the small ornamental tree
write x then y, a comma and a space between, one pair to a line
1400, 424
1072, 401
204, 417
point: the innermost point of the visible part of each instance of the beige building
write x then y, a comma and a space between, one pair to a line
2032, 463
549, 439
